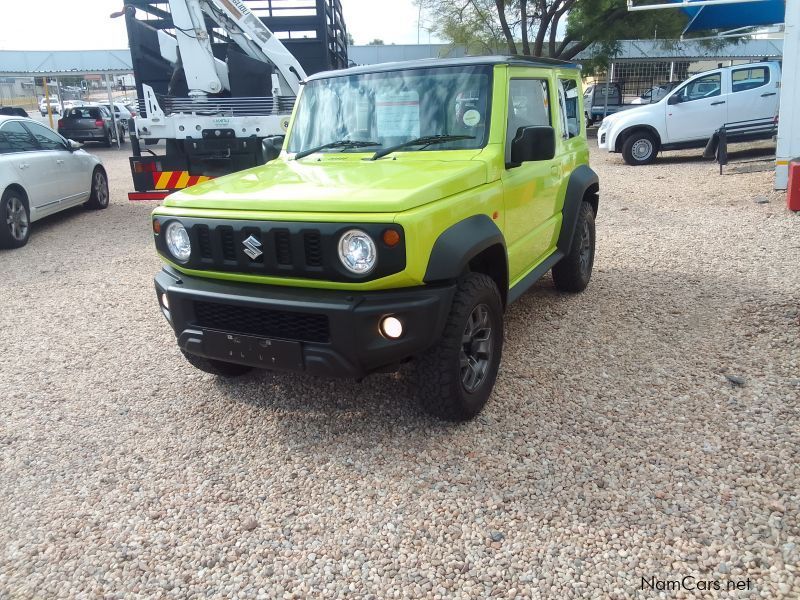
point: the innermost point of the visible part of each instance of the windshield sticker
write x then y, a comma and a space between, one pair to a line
472, 118
397, 115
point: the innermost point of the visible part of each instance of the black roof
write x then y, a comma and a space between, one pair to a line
425, 63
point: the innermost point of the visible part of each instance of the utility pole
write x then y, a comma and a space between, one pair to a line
47, 102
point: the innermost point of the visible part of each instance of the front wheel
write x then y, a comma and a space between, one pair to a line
98, 200
457, 375
573, 272
640, 148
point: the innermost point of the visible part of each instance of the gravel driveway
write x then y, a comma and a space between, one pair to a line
641, 432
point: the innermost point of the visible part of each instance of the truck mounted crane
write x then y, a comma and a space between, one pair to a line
229, 95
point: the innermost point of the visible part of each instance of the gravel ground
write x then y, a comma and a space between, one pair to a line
646, 429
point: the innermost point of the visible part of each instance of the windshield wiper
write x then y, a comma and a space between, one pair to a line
344, 144
424, 141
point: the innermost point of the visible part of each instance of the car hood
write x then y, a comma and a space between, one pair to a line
335, 184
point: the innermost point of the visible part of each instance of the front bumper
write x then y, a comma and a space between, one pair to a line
330, 333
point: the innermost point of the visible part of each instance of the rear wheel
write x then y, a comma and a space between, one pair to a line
107, 140
100, 196
640, 148
457, 375
15, 228
573, 272
216, 367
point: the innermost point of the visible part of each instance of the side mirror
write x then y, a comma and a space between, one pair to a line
73, 145
533, 143
674, 99
272, 146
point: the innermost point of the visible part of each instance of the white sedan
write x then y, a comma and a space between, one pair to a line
42, 173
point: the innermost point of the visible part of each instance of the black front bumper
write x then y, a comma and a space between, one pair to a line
330, 333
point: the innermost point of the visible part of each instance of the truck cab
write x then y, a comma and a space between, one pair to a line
694, 111
410, 205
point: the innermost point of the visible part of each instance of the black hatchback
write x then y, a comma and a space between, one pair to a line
89, 124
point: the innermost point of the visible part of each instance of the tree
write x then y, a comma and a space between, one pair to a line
350, 40
376, 42
555, 28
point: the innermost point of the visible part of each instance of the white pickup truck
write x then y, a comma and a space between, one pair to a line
742, 97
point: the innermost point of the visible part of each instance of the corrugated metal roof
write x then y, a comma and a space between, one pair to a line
693, 50
629, 50
63, 62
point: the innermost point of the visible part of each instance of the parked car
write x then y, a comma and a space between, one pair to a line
602, 99
42, 173
55, 106
13, 111
90, 124
655, 93
692, 113
121, 112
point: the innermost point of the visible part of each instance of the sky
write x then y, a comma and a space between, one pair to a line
50, 26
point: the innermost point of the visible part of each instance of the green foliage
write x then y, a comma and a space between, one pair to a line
606, 22
376, 42
557, 28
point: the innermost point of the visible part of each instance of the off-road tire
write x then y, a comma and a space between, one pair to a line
12, 201
216, 367
635, 146
573, 272
442, 391
99, 199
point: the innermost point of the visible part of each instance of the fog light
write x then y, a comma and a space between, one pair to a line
391, 327
165, 301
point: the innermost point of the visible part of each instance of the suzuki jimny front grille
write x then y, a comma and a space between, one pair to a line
282, 249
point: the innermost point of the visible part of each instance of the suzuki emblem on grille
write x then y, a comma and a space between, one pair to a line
252, 247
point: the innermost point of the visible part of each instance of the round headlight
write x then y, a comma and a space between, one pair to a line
178, 241
357, 252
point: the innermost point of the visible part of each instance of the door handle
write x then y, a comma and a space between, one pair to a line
718, 102
24, 166
59, 162
768, 94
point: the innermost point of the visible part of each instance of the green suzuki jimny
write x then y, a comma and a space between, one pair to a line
410, 205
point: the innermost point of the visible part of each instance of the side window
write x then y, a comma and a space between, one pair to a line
528, 105
568, 103
703, 87
47, 139
749, 79
17, 138
5, 143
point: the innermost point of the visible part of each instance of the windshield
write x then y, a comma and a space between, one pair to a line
395, 107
